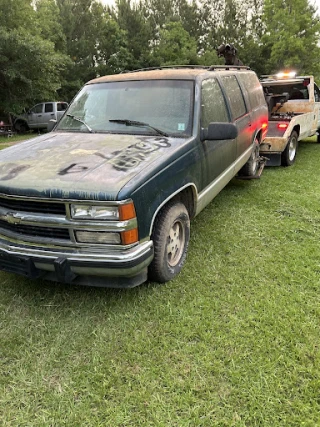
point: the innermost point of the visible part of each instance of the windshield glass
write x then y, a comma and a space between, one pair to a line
159, 105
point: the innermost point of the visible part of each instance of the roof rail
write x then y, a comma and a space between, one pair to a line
195, 67
166, 67
228, 67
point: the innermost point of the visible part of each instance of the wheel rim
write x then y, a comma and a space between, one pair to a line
176, 242
292, 148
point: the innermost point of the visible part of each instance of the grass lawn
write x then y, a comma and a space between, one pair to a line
232, 342
6, 141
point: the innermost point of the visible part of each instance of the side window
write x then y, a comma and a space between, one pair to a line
61, 106
316, 94
254, 89
235, 97
213, 105
48, 108
37, 109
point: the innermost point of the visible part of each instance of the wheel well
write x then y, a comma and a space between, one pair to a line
258, 136
187, 196
21, 122
297, 129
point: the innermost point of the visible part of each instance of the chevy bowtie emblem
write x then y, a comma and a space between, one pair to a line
12, 218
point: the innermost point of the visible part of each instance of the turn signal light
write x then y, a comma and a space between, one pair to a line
127, 211
129, 236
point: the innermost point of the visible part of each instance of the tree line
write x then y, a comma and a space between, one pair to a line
50, 48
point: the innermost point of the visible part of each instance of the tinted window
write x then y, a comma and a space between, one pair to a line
61, 106
37, 109
254, 89
235, 96
213, 105
316, 94
295, 91
48, 108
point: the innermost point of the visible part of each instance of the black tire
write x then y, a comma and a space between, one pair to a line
288, 156
318, 136
171, 235
252, 165
21, 127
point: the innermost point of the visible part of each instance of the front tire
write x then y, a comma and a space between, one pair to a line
171, 235
21, 127
288, 156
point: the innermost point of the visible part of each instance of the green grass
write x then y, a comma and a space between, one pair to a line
6, 141
233, 341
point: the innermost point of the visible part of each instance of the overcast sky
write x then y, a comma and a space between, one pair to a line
112, 2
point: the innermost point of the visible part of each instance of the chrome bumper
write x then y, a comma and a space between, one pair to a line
125, 268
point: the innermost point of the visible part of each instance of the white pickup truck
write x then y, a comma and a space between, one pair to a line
39, 116
294, 105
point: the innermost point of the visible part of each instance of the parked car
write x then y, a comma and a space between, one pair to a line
294, 114
106, 198
39, 116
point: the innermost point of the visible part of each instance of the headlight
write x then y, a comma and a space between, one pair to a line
94, 212
120, 212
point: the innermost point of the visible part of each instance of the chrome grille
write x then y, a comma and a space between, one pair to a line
25, 205
34, 231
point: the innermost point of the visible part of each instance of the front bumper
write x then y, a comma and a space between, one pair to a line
125, 268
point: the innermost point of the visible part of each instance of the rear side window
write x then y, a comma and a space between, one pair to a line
316, 93
254, 89
213, 105
234, 95
48, 108
61, 106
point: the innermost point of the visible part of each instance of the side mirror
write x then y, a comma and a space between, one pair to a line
51, 125
219, 131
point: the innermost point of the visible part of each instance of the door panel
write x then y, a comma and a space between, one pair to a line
35, 115
239, 113
219, 155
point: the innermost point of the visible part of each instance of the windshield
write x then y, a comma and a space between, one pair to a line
158, 105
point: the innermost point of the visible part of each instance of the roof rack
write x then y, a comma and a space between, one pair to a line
228, 67
166, 67
199, 67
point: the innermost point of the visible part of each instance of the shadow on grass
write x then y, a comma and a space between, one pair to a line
75, 298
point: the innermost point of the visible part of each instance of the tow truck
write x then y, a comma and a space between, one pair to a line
294, 114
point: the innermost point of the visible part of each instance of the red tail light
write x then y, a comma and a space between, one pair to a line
264, 125
282, 126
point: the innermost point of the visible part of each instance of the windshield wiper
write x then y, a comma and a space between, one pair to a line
81, 121
136, 123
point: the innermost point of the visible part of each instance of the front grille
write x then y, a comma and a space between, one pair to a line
26, 205
30, 230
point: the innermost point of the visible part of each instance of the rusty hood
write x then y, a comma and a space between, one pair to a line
78, 165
